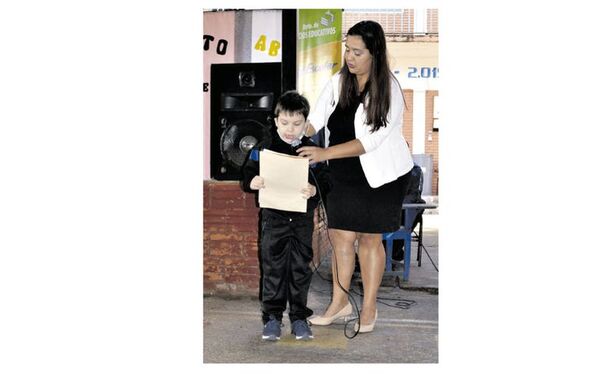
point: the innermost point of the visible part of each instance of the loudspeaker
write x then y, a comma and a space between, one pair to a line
243, 97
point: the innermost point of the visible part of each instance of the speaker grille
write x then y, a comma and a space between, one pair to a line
242, 97
240, 137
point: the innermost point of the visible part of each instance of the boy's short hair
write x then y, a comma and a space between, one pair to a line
292, 102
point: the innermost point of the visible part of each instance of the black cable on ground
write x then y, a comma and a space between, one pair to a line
430, 259
399, 303
350, 298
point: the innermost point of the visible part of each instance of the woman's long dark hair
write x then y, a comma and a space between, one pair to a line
378, 87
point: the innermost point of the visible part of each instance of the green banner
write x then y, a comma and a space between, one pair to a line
319, 49
319, 26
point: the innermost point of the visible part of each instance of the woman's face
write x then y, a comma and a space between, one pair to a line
357, 56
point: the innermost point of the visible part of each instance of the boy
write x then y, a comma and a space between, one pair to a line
286, 236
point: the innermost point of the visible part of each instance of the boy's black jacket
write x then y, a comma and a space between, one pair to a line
251, 169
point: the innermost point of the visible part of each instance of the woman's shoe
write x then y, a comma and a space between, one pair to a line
326, 321
366, 328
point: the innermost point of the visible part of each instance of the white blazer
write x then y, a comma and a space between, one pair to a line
386, 156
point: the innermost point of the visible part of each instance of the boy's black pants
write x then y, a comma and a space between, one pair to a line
286, 252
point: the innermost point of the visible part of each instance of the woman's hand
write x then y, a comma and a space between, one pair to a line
352, 148
309, 191
257, 183
313, 153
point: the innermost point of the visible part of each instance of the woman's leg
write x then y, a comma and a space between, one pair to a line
372, 265
342, 266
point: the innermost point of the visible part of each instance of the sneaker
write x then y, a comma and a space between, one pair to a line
301, 329
272, 329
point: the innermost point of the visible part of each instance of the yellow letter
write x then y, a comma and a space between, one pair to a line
261, 44
274, 48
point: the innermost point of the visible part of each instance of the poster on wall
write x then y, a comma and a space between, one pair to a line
219, 47
319, 49
265, 40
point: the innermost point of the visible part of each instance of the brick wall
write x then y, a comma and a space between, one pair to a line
431, 139
397, 22
230, 235
231, 266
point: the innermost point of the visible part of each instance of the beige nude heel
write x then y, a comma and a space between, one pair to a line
366, 328
325, 321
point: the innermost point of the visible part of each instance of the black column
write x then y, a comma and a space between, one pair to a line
288, 53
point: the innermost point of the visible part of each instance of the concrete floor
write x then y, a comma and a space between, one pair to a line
232, 327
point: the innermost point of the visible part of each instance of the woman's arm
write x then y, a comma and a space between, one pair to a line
372, 140
310, 130
317, 118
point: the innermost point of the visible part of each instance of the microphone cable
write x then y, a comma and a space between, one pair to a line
351, 299
430, 259
398, 302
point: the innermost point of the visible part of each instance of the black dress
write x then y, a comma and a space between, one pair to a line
352, 204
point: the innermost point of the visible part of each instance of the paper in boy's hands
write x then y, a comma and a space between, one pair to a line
284, 177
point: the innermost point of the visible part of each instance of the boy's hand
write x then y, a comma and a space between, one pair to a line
257, 183
309, 191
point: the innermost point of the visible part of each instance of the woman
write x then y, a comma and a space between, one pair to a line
362, 107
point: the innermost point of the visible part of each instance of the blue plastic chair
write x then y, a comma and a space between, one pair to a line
411, 212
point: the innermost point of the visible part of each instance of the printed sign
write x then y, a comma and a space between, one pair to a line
319, 49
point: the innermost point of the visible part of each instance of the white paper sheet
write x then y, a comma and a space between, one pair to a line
285, 176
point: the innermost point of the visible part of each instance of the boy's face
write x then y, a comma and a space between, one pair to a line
290, 127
